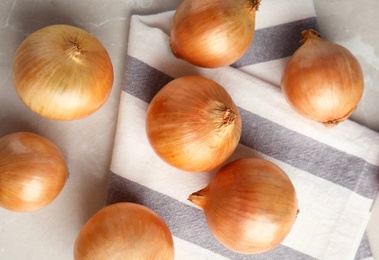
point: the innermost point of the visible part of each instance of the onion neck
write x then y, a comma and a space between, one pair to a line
223, 116
254, 5
74, 51
198, 198
310, 34
228, 117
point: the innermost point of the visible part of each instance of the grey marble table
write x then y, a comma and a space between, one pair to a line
87, 144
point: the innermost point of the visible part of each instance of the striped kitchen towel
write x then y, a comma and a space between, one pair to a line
334, 170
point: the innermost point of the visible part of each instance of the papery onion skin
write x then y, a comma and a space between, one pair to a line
193, 124
213, 33
62, 72
33, 172
250, 205
323, 81
124, 231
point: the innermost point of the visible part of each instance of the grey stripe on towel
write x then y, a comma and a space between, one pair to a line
185, 222
360, 176
276, 42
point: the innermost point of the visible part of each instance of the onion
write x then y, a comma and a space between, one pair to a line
193, 124
124, 231
32, 171
250, 205
213, 33
322, 81
62, 72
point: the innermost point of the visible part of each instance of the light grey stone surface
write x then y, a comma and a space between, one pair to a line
87, 143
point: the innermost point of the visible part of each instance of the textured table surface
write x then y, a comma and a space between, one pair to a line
87, 144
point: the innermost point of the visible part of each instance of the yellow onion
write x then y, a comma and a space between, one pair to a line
193, 124
124, 231
322, 81
62, 72
213, 33
250, 205
32, 171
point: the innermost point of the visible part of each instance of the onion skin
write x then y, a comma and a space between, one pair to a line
124, 231
62, 72
32, 172
213, 33
193, 124
250, 205
323, 81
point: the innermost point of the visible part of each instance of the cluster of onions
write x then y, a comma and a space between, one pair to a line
62, 72
193, 124
250, 205
213, 33
124, 230
322, 81
32, 171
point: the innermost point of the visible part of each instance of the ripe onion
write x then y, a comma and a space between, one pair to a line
322, 81
124, 231
250, 205
213, 33
193, 124
32, 171
62, 72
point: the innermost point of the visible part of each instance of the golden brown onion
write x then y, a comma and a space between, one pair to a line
323, 81
250, 205
124, 231
193, 124
32, 171
213, 33
62, 72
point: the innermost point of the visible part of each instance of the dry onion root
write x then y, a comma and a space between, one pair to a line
124, 231
32, 172
193, 124
213, 33
250, 205
62, 72
322, 81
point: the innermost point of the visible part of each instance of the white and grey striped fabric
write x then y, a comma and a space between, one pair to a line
334, 170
